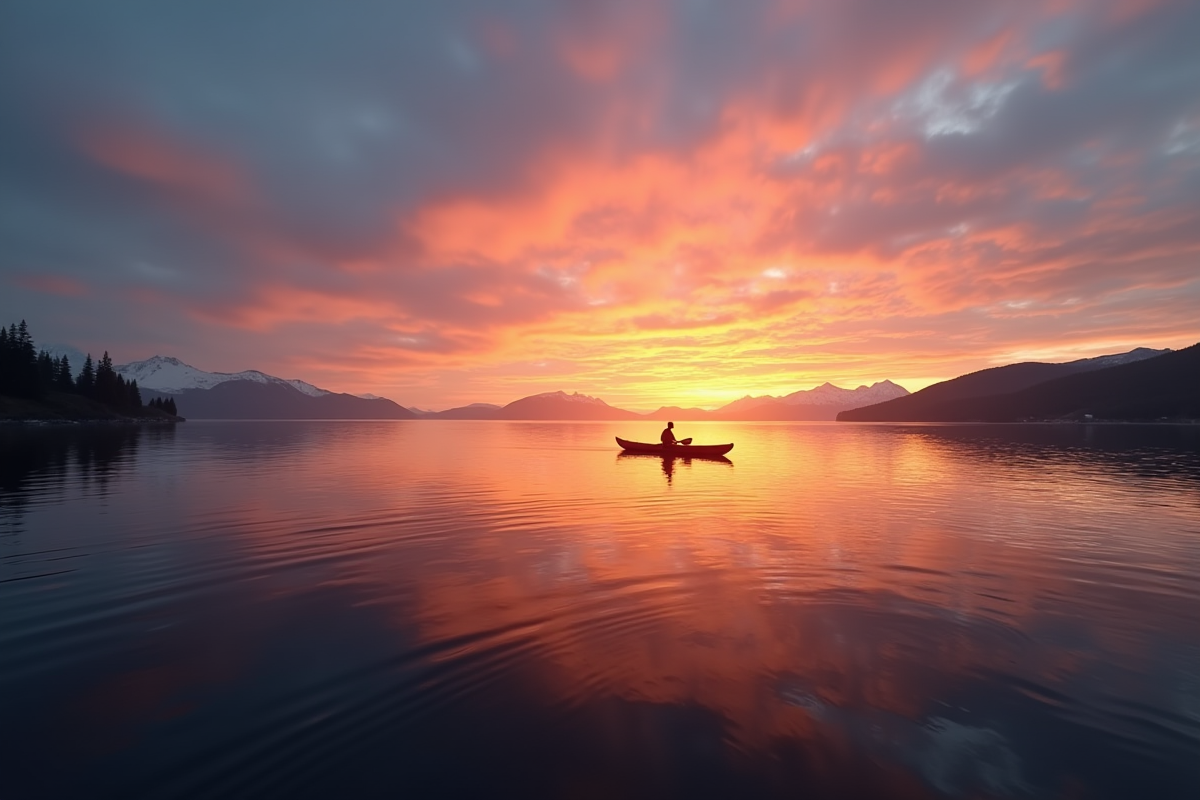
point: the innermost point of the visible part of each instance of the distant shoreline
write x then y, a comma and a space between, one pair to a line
60, 408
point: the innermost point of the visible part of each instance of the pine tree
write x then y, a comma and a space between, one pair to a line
19, 375
5, 362
107, 390
47, 372
64, 381
23, 366
170, 407
26, 362
87, 378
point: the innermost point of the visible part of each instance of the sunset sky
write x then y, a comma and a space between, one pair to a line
650, 202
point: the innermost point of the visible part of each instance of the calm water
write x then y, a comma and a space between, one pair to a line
425, 609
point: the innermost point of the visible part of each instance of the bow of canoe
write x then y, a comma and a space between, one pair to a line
675, 450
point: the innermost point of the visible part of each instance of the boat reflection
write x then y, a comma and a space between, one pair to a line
668, 461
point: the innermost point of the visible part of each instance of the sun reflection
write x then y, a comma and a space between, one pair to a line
676, 584
849, 594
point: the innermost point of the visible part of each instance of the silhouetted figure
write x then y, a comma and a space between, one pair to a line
668, 436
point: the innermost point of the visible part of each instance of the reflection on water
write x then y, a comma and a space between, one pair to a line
40, 462
440, 608
669, 462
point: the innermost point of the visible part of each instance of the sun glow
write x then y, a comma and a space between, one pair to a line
605, 202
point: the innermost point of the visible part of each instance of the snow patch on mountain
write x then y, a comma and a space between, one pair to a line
301, 386
75, 356
172, 376
1116, 359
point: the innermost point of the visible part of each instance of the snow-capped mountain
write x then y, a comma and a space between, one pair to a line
1136, 354
172, 376
824, 395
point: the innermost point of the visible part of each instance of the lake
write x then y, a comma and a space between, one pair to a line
441, 609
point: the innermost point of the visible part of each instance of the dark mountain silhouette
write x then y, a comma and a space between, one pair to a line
771, 410
559, 406
472, 411
828, 397
562, 406
548, 406
822, 403
254, 395
778, 411
926, 405
1162, 386
675, 412
253, 400
198, 392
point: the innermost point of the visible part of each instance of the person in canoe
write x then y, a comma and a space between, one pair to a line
668, 436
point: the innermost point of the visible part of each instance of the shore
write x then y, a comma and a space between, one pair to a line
59, 408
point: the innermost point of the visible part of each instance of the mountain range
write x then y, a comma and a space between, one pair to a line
256, 395
172, 376
1141, 384
250, 394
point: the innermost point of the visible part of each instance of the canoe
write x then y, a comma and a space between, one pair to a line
675, 450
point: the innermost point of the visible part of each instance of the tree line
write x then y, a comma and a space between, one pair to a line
27, 372
167, 405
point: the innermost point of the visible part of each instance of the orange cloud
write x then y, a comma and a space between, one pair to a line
651, 207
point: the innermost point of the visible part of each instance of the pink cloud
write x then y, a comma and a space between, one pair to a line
52, 284
161, 159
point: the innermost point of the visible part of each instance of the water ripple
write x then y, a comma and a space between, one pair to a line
279, 609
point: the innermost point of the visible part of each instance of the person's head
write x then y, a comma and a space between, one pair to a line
670, 424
